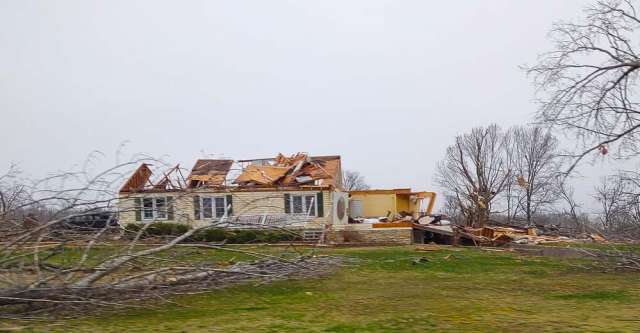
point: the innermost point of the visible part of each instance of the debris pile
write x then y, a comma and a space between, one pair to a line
295, 170
438, 228
501, 235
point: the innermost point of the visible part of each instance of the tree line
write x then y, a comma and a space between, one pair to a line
586, 88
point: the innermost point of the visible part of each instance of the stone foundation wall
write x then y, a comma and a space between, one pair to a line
371, 236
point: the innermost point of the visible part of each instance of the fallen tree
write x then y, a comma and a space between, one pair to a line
47, 265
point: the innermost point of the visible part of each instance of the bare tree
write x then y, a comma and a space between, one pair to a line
12, 192
451, 209
610, 196
475, 171
572, 210
353, 181
618, 197
587, 85
535, 168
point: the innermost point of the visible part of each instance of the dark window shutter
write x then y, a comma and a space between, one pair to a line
287, 203
196, 206
138, 204
230, 204
170, 208
320, 202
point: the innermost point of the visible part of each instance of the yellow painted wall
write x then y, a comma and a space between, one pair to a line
402, 203
376, 205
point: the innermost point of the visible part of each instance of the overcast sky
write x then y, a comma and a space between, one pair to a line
385, 84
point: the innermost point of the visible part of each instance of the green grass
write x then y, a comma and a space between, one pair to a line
625, 247
397, 289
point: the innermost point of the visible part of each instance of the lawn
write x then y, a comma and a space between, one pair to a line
396, 289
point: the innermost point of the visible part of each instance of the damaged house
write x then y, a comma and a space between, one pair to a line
298, 191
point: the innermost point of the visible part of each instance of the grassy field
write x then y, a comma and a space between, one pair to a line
392, 290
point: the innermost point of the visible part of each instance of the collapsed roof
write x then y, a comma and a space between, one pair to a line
298, 170
140, 180
209, 173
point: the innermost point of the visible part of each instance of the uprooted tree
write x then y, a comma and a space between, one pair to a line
48, 262
588, 83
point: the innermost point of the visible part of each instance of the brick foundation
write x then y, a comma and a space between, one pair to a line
372, 236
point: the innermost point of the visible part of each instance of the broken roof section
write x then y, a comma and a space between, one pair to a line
209, 173
138, 180
261, 175
141, 180
296, 170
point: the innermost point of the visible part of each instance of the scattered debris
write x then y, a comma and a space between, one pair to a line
522, 182
428, 247
499, 235
421, 260
603, 149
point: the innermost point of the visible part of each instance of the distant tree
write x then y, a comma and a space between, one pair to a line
610, 194
535, 168
353, 181
451, 209
619, 199
12, 192
474, 171
588, 83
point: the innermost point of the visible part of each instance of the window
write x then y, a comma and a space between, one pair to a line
207, 204
303, 204
147, 211
161, 208
214, 206
309, 204
297, 204
221, 206
154, 208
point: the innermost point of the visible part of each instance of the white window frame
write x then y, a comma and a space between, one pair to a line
156, 213
305, 209
214, 215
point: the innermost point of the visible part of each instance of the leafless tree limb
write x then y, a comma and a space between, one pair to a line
587, 85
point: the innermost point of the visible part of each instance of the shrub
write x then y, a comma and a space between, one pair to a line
157, 229
167, 229
242, 236
209, 235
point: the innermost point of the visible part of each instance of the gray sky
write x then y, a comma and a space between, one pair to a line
385, 84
